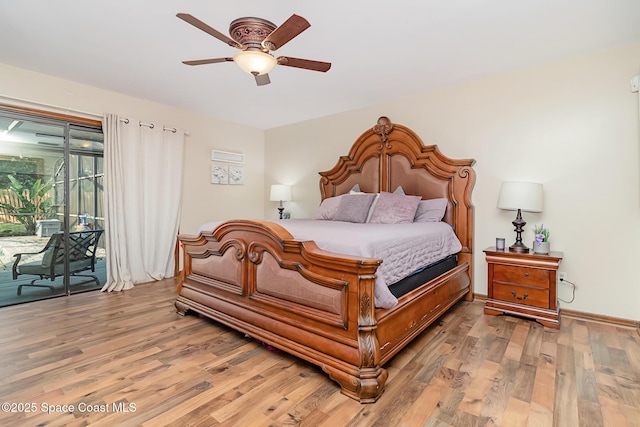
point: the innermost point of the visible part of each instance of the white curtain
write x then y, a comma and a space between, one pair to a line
142, 190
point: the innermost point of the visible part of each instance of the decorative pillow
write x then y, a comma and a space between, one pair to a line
431, 210
356, 190
354, 207
395, 209
328, 208
399, 190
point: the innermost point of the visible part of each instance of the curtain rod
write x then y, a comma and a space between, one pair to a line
86, 113
151, 125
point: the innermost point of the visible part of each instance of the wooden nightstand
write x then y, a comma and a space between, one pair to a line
523, 285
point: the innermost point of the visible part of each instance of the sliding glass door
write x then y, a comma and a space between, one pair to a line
85, 209
51, 220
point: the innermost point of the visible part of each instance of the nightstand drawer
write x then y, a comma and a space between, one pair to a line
521, 295
521, 275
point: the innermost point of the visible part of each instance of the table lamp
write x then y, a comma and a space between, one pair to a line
520, 196
280, 193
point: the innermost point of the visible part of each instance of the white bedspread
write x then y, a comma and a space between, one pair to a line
404, 248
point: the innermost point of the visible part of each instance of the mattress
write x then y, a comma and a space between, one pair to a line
424, 275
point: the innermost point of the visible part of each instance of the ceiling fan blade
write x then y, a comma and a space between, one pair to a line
285, 32
207, 61
262, 79
207, 29
307, 64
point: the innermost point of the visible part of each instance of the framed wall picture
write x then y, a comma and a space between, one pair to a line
219, 174
236, 175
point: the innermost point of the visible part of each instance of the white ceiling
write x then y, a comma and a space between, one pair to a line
380, 50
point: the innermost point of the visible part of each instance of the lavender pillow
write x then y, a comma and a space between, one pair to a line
354, 207
431, 210
328, 208
395, 209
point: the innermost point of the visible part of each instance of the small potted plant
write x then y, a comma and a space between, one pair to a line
541, 243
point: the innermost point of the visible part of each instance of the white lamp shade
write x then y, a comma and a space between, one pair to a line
254, 62
526, 196
280, 193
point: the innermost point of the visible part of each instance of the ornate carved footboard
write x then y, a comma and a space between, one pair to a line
319, 306
254, 277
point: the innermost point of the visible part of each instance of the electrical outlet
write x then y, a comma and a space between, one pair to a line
561, 276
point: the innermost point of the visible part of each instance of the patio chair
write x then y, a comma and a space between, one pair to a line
82, 257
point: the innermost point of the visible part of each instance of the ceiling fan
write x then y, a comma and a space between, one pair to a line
256, 38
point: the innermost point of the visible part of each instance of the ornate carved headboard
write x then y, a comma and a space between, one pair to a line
391, 155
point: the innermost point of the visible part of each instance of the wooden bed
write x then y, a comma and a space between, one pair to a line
233, 273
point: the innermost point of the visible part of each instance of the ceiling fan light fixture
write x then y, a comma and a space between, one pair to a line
256, 38
254, 61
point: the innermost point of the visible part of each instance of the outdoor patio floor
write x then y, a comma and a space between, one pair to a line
31, 244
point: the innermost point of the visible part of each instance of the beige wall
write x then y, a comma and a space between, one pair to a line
571, 125
202, 201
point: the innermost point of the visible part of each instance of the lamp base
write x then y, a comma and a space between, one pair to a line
281, 210
519, 247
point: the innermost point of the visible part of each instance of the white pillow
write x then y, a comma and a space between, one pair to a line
356, 190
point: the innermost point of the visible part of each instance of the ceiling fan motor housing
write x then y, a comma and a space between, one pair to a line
250, 32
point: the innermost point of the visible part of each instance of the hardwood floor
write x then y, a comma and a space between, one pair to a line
129, 359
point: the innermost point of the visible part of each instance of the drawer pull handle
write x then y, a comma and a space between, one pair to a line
526, 274
519, 298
